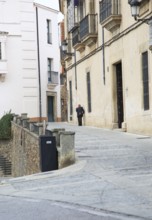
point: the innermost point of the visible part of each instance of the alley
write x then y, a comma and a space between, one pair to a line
112, 179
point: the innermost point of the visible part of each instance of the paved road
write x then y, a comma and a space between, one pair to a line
111, 180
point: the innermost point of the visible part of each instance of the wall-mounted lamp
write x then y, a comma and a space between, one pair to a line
64, 47
135, 6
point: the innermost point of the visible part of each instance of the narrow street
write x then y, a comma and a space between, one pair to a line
111, 179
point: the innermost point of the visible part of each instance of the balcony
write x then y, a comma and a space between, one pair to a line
3, 69
88, 29
53, 80
76, 42
110, 17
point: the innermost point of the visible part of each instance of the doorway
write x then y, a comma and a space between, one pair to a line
119, 92
50, 101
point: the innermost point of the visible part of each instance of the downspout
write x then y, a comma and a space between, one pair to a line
39, 73
103, 56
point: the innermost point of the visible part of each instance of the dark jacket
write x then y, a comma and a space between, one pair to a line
80, 111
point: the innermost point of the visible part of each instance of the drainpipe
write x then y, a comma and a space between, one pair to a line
39, 73
103, 56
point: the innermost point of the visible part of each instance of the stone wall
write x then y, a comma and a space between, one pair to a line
5, 157
21, 155
25, 152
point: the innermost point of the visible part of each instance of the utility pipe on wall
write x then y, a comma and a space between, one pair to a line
103, 56
39, 73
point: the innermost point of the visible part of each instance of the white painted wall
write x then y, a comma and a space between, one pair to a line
48, 51
20, 89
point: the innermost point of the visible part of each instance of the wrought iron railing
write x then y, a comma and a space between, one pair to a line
53, 77
108, 8
76, 36
88, 25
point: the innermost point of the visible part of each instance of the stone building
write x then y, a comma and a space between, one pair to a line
108, 63
29, 59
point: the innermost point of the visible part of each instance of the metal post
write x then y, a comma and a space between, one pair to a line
39, 73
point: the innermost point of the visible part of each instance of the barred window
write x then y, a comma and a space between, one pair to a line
89, 91
105, 9
108, 8
145, 77
49, 31
49, 62
71, 102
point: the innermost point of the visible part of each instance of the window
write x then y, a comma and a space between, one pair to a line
0, 51
49, 61
71, 103
105, 9
145, 79
75, 13
108, 8
81, 10
49, 32
89, 91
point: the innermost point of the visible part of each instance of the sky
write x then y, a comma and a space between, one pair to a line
50, 3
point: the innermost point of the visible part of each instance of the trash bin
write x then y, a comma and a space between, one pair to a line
48, 153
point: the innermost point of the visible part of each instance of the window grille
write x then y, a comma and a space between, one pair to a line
145, 77
71, 103
49, 32
89, 91
108, 8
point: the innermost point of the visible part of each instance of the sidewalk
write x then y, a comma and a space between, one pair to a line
112, 175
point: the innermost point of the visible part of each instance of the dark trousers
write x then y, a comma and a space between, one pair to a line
80, 121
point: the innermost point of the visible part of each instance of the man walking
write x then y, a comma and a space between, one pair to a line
80, 113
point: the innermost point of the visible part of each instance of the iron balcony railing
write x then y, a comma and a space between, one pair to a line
76, 36
53, 77
88, 26
108, 8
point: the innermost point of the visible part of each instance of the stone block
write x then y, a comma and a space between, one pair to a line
56, 134
66, 149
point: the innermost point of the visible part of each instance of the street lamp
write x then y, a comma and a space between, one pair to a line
65, 48
135, 6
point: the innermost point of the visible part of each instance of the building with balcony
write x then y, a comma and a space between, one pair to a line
29, 60
110, 71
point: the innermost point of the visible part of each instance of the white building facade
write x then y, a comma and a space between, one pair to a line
29, 59
108, 64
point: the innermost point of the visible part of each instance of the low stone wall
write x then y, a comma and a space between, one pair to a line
25, 152
22, 155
